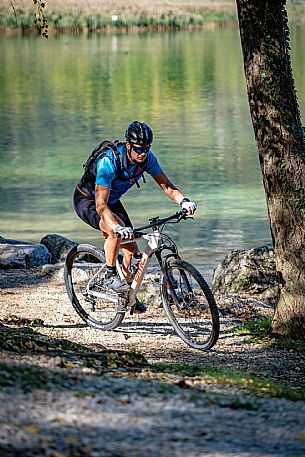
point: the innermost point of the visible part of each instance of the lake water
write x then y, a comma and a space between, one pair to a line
60, 97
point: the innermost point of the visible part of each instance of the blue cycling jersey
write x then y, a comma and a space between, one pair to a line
107, 173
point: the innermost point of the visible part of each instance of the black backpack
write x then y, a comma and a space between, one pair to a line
87, 182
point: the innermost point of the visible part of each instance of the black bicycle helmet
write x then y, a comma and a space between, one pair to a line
139, 133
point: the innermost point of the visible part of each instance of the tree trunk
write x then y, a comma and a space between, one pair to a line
281, 145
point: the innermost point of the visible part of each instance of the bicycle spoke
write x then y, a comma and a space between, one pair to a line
84, 275
190, 306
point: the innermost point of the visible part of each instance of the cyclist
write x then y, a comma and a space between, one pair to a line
102, 209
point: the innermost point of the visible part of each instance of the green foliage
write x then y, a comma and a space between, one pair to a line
26, 339
295, 194
30, 377
96, 15
299, 199
259, 387
289, 343
261, 330
40, 22
99, 15
25, 377
269, 79
282, 169
257, 328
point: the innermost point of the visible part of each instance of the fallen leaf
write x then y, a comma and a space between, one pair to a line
301, 436
31, 429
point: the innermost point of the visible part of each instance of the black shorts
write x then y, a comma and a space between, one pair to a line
85, 209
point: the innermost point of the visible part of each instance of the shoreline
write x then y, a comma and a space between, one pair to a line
98, 17
108, 30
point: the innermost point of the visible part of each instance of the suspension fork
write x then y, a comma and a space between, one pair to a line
166, 275
170, 280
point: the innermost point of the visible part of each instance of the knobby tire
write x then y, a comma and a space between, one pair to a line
85, 264
190, 305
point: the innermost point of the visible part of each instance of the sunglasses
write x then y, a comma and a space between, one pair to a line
141, 149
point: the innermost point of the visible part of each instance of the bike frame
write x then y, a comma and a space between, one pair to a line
156, 242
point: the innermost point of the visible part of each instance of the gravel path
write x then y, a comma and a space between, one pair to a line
80, 410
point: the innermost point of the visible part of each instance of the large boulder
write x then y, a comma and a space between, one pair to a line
58, 246
247, 274
21, 254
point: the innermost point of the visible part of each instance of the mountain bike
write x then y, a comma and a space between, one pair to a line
186, 297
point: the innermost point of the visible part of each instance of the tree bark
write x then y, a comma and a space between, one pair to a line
281, 145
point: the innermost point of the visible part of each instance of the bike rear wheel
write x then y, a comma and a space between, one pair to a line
190, 305
84, 271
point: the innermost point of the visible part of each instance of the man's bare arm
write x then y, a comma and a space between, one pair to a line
108, 219
169, 188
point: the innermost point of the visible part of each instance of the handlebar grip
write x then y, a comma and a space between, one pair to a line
120, 232
138, 234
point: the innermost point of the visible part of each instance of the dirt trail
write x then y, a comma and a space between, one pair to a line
90, 411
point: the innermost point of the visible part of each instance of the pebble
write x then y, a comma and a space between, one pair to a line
94, 413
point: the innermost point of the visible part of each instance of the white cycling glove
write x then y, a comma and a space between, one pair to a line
189, 206
126, 233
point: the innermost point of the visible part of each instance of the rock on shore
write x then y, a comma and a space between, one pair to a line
20, 254
52, 249
58, 246
244, 281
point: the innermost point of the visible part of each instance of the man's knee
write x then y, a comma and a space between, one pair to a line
128, 251
109, 233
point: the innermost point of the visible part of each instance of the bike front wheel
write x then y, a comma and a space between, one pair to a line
190, 305
84, 272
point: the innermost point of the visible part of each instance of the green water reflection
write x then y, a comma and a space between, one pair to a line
60, 97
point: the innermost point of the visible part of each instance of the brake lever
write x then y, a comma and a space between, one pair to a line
184, 216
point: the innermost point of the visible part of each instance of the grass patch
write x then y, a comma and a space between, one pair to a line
257, 328
259, 387
101, 15
27, 378
282, 342
74, 355
260, 330
26, 339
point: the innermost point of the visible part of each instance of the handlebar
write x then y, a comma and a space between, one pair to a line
156, 222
